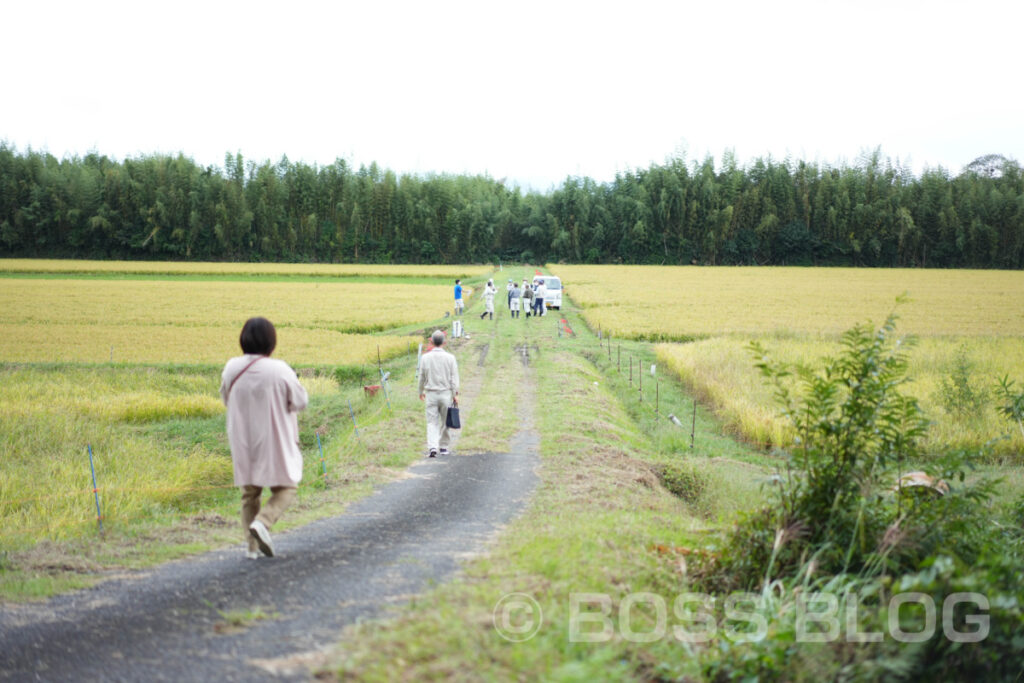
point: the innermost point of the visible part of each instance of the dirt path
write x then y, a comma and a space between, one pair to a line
222, 617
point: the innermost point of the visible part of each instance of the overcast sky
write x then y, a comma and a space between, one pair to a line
528, 91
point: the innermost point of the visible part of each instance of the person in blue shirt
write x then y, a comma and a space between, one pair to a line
458, 297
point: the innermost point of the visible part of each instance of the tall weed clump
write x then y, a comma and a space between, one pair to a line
841, 525
839, 505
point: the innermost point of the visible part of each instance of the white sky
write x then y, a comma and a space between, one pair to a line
528, 91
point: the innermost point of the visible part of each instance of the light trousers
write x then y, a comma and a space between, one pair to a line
280, 498
436, 407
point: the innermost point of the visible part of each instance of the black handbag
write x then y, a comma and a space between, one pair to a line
452, 420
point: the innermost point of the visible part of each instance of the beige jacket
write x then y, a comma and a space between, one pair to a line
262, 422
439, 371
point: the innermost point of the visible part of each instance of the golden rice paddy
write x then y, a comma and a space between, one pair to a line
125, 386
56, 266
686, 302
798, 314
721, 371
154, 321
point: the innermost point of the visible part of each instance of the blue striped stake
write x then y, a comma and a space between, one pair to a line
354, 425
323, 465
95, 491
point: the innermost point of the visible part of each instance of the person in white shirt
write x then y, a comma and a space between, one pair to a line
438, 389
514, 300
489, 291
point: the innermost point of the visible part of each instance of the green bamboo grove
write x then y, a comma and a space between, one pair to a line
870, 213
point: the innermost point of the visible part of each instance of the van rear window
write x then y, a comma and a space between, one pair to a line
553, 284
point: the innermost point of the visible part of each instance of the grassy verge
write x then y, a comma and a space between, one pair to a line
602, 521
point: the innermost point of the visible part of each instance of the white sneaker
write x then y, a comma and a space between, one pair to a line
262, 535
251, 555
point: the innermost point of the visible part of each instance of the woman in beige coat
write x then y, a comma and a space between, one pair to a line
263, 397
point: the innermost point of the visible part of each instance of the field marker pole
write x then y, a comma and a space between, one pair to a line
354, 425
384, 383
693, 425
419, 357
323, 465
95, 491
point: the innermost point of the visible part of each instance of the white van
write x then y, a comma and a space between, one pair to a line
553, 298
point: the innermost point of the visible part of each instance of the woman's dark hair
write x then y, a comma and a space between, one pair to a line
258, 336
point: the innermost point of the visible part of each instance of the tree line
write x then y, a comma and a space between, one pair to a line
161, 207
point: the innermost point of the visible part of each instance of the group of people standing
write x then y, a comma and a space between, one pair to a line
527, 297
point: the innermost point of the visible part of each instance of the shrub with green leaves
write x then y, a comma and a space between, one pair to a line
958, 393
1012, 405
839, 504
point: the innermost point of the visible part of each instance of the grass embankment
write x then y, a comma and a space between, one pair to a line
603, 519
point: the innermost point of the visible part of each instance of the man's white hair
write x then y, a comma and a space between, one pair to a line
437, 337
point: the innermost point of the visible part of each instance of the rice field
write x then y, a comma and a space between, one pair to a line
722, 372
340, 306
972, 319
89, 357
680, 303
50, 418
347, 270
146, 321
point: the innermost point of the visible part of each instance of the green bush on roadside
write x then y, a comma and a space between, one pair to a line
843, 524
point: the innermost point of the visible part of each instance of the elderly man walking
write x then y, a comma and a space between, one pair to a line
438, 387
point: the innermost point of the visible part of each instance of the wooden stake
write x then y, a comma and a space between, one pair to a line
693, 425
